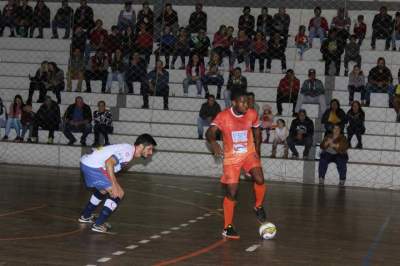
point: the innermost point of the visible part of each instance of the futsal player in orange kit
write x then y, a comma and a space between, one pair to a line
240, 129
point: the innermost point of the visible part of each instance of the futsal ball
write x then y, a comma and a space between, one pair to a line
267, 231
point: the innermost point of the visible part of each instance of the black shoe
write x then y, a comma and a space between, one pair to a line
229, 232
260, 214
346, 73
54, 37
88, 91
71, 142
83, 143
12, 35
218, 96
40, 100
359, 146
200, 137
145, 106
166, 108
5, 138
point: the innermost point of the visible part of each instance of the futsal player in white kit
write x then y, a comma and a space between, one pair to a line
99, 170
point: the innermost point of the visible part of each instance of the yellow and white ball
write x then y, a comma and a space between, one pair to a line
267, 231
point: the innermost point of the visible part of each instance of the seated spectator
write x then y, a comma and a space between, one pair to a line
62, 19
301, 41
351, 53
169, 18
312, 91
247, 22
3, 114
116, 72
276, 50
8, 18
265, 22
382, 28
333, 116
84, 16
355, 117
27, 118
221, 43
56, 81
23, 19
356, 84
113, 42
79, 39
38, 82
281, 24
167, 44
317, 27
127, 17
181, 49
144, 43
241, 50
48, 118
98, 37
208, 112
98, 66
288, 89
214, 75
267, 120
198, 20
136, 72
76, 70
77, 118
194, 74
251, 101
236, 83
379, 80
14, 118
301, 133
145, 17
281, 134
396, 105
40, 19
334, 150
396, 30
332, 49
200, 44
102, 124
341, 24
128, 45
158, 85
258, 51
360, 29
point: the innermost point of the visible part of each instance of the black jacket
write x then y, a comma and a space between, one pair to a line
64, 14
356, 120
87, 113
247, 24
235, 85
328, 54
24, 13
41, 17
49, 115
265, 24
307, 127
209, 111
138, 70
87, 22
198, 21
382, 24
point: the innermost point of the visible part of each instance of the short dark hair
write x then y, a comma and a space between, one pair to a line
251, 94
237, 94
145, 140
210, 96
317, 8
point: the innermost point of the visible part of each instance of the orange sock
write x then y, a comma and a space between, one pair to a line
229, 207
259, 191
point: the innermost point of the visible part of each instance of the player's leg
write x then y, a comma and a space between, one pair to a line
95, 199
110, 205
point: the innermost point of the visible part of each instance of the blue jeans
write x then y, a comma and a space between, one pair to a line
213, 80
227, 98
13, 123
118, 77
395, 37
201, 123
61, 24
302, 48
188, 81
316, 32
339, 159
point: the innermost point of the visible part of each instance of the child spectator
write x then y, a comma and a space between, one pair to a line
301, 40
14, 118
355, 118
360, 29
27, 118
258, 51
281, 134
356, 84
102, 124
267, 121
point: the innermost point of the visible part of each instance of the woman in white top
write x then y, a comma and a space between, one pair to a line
281, 134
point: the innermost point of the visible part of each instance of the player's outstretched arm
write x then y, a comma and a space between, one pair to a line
211, 136
116, 190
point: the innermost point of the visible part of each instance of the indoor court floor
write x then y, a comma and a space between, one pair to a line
177, 220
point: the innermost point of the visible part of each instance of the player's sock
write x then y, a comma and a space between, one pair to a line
109, 206
229, 207
94, 201
259, 191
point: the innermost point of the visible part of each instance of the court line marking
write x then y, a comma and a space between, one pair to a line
132, 247
144, 241
166, 232
118, 253
175, 228
23, 210
155, 236
183, 225
192, 221
377, 239
104, 259
252, 248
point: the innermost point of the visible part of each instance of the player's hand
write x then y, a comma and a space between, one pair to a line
217, 149
117, 191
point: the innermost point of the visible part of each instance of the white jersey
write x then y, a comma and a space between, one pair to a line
122, 153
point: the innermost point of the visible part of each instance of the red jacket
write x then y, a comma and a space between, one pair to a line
324, 24
191, 70
284, 87
360, 29
221, 41
144, 40
96, 35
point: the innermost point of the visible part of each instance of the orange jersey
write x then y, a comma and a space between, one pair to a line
237, 134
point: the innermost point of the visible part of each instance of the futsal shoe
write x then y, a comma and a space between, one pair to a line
102, 228
260, 214
229, 232
89, 220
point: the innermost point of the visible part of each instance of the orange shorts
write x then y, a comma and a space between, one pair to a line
232, 171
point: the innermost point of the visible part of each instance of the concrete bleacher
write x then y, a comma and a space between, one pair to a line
180, 152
